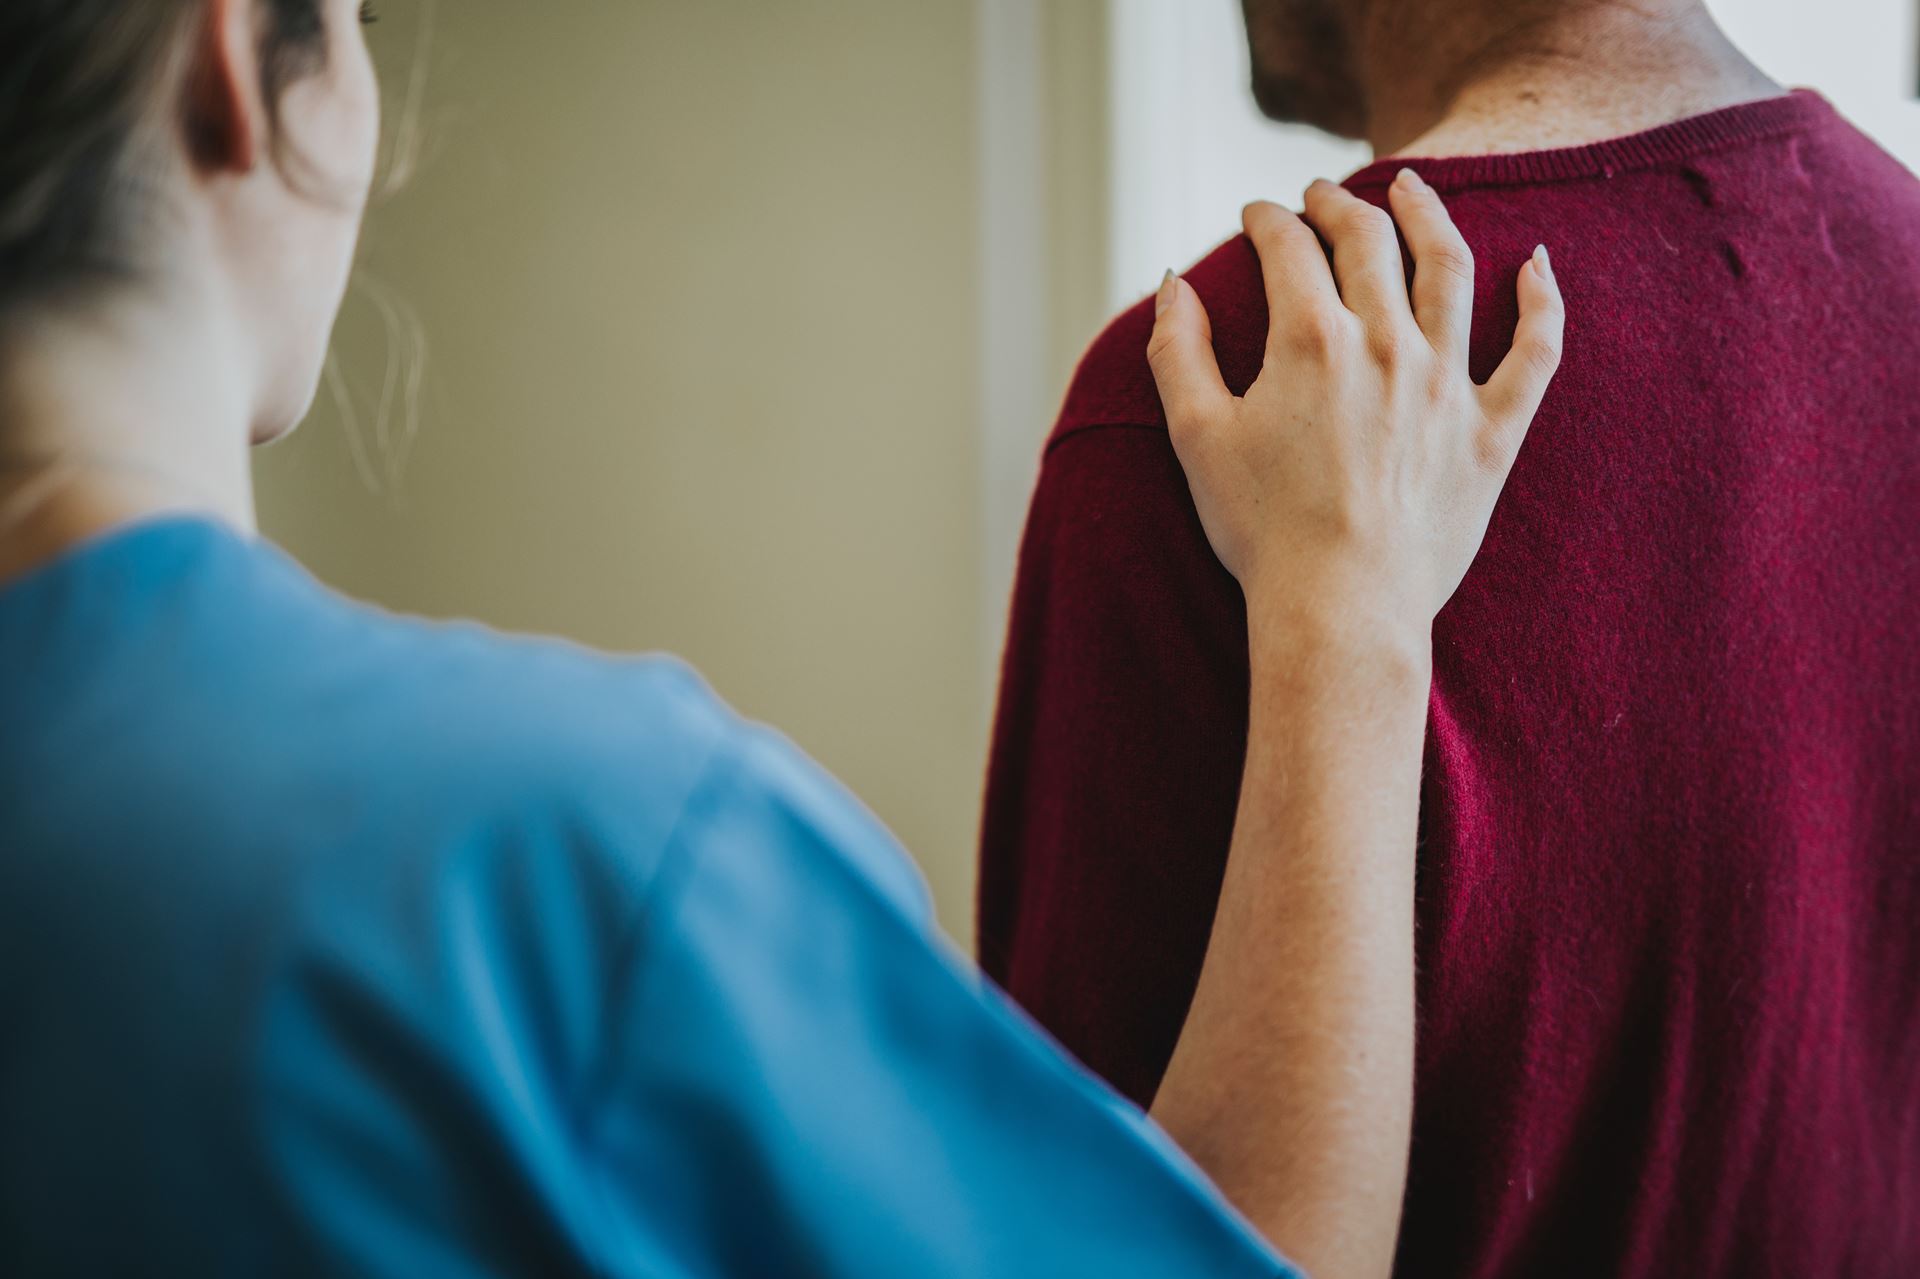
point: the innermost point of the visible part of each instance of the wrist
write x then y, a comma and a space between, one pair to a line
1323, 633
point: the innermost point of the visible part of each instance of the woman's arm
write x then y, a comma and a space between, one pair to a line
1347, 492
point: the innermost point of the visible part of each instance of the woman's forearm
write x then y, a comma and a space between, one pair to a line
1348, 491
1292, 1083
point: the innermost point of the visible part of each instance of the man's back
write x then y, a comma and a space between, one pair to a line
1669, 878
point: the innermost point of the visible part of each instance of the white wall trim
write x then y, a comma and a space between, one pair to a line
1151, 129
1014, 294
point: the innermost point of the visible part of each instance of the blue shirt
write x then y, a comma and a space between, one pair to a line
333, 942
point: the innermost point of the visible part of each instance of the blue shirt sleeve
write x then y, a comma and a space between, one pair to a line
806, 1080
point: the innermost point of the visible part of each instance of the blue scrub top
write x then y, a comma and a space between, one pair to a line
333, 942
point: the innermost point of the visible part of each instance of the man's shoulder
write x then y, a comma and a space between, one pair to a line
1113, 385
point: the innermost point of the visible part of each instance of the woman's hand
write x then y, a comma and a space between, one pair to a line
1348, 491
1360, 470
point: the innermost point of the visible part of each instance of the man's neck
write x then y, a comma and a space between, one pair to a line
1562, 78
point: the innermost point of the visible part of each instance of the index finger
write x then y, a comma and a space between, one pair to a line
1301, 297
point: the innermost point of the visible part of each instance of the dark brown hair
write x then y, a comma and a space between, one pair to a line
79, 81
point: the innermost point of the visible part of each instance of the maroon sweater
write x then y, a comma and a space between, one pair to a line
1668, 880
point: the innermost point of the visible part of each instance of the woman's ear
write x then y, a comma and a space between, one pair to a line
226, 110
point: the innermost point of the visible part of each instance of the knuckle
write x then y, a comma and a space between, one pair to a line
1385, 343
1365, 222
1160, 346
1315, 333
1541, 355
1450, 258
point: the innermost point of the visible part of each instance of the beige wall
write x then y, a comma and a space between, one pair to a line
698, 279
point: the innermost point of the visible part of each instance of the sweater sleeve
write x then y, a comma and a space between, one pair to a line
1116, 755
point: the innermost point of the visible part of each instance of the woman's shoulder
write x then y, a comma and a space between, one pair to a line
516, 726
210, 674
228, 699
644, 746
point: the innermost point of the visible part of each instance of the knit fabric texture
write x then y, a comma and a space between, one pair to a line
1668, 879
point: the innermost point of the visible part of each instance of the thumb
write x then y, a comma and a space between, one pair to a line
1184, 367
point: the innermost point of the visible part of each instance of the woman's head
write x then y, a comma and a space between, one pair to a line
219, 151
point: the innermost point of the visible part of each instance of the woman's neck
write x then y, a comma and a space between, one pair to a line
113, 415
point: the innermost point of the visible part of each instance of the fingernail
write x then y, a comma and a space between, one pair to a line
1541, 262
1411, 180
1169, 287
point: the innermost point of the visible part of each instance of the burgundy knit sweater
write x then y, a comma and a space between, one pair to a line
1669, 869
